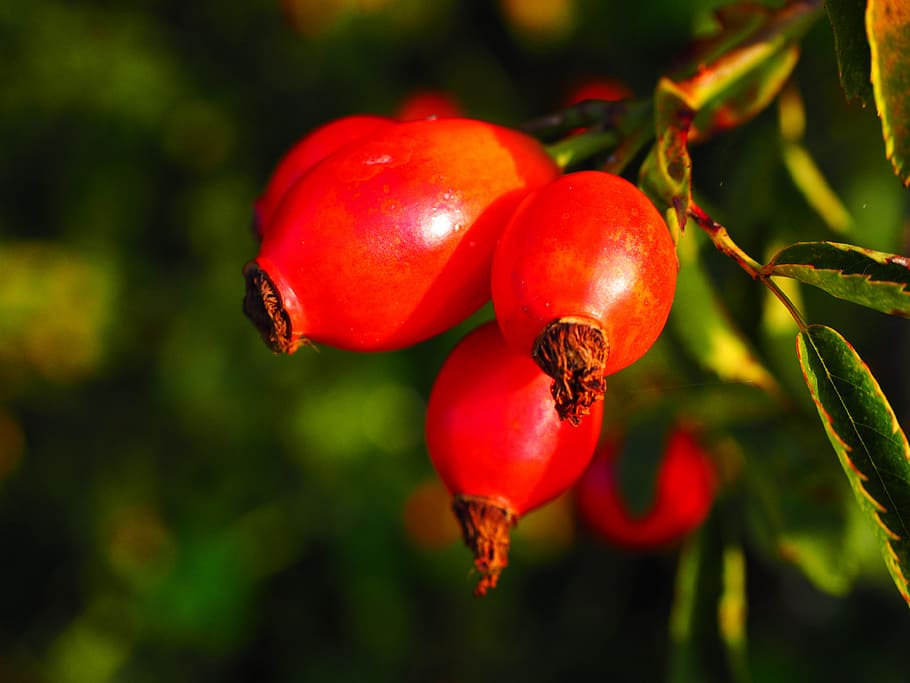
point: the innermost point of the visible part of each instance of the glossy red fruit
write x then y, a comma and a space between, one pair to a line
389, 241
425, 104
497, 444
306, 153
683, 495
583, 280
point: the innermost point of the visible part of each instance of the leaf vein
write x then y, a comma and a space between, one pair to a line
862, 441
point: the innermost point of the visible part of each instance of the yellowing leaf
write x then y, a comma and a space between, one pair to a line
851, 46
888, 30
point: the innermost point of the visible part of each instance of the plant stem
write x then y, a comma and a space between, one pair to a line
627, 148
724, 243
599, 114
624, 127
580, 147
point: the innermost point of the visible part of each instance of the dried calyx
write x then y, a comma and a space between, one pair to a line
263, 306
485, 527
573, 351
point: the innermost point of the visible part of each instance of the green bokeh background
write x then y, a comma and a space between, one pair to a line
177, 503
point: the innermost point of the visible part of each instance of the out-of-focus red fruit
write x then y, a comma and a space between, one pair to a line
600, 88
683, 495
428, 104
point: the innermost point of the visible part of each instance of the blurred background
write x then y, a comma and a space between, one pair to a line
177, 503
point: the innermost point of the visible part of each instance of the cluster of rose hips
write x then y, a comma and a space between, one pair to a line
377, 234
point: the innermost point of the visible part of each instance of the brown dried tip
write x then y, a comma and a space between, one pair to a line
573, 351
262, 305
485, 527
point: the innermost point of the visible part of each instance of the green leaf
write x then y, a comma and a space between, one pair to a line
867, 438
722, 404
666, 173
810, 522
724, 81
814, 187
642, 450
708, 618
732, 610
804, 172
735, 23
704, 327
697, 591
854, 62
779, 32
870, 278
736, 82
757, 35
888, 30
747, 96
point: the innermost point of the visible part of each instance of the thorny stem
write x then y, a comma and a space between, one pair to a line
724, 243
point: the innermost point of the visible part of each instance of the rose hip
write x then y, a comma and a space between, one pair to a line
497, 444
583, 280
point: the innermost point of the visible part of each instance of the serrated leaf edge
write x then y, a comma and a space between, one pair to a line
901, 166
881, 257
774, 268
894, 565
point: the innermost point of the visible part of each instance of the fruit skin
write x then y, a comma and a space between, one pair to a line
306, 153
683, 495
389, 241
329, 137
496, 442
491, 430
591, 250
589, 244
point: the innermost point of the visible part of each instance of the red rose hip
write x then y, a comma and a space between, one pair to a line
389, 241
306, 153
583, 280
683, 495
497, 444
